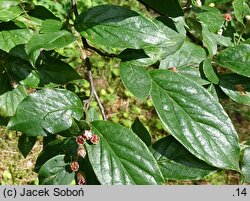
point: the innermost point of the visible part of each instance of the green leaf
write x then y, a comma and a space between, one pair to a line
50, 25
66, 146
170, 8
177, 163
56, 71
207, 2
241, 9
236, 58
47, 41
92, 115
4, 83
55, 172
10, 100
237, 87
195, 119
136, 79
212, 18
140, 130
223, 40
119, 28
188, 55
25, 144
209, 72
48, 110
245, 165
11, 38
212, 90
9, 13
121, 157
209, 41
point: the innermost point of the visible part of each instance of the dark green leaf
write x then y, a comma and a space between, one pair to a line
59, 146
25, 144
245, 165
120, 28
195, 119
55, 172
49, 109
212, 90
237, 87
188, 55
56, 71
47, 41
136, 79
209, 72
9, 13
11, 38
121, 157
10, 100
236, 58
4, 83
139, 129
50, 25
170, 8
177, 163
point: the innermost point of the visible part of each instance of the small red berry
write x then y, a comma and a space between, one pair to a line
95, 139
80, 140
74, 166
227, 17
81, 179
81, 152
173, 69
87, 134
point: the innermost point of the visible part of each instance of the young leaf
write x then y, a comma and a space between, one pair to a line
55, 172
9, 13
121, 157
177, 163
136, 79
120, 28
209, 72
241, 9
10, 100
237, 87
50, 25
236, 58
195, 119
49, 109
139, 129
209, 41
25, 144
245, 165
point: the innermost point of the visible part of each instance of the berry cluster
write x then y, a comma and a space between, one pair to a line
88, 135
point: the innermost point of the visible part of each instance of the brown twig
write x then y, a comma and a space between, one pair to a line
85, 56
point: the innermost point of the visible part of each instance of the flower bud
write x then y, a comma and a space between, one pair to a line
81, 152
227, 17
95, 139
74, 166
80, 140
80, 178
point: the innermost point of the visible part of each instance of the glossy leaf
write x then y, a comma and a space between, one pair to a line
245, 165
136, 79
48, 110
236, 58
47, 41
125, 28
209, 72
237, 87
209, 41
212, 90
169, 8
121, 157
10, 100
188, 55
140, 130
55, 172
177, 163
11, 38
25, 144
195, 119
50, 25
9, 13
241, 9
